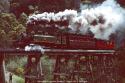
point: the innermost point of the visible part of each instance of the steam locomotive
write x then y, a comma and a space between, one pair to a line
47, 34
50, 36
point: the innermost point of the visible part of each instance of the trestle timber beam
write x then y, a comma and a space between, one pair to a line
57, 52
18, 52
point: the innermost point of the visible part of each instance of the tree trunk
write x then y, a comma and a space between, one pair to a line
2, 74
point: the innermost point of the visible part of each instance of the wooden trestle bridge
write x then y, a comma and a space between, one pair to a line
90, 66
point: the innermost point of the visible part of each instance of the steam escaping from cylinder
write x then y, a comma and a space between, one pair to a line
34, 47
102, 21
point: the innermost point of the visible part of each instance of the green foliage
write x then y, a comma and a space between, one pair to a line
10, 29
16, 65
4, 5
19, 71
48, 67
23, 19
17, 79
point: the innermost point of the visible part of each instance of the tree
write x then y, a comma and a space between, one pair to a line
10, 29
4, 6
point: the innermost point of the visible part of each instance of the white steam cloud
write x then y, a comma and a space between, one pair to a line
104, 20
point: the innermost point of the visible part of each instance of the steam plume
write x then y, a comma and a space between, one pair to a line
103, 21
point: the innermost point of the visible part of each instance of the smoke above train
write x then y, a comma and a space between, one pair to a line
102, 21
